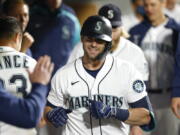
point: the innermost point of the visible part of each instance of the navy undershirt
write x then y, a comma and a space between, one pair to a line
93, 73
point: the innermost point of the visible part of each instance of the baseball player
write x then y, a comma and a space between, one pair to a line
27, 111
159, 45
13, 67
91, 94
121, 47
20, 10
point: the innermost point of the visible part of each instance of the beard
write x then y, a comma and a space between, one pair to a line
101, 55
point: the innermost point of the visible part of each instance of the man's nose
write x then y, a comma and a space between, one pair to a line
94, 43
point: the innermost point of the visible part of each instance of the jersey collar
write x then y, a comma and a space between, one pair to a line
6, 49
101, 74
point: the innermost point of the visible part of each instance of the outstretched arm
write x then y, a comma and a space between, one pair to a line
20, 112
140, 113
27, 112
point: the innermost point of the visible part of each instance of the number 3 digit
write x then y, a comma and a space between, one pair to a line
13, 80
21, 89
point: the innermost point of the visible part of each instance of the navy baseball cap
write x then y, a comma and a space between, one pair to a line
113, 13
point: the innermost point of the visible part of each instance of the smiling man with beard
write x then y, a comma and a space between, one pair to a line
84, 93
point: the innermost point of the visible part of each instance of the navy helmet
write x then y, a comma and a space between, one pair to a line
97, 27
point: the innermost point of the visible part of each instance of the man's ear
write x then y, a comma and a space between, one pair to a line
18, 36
17, 40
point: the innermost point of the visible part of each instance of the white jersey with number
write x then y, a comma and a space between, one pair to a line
126, 50
158, 49
15, 79
116, 84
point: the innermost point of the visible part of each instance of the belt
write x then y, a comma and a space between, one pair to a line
158, 91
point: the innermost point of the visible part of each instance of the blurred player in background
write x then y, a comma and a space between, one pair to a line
56, 30
13, 67
20, 10
159, 46
26, 112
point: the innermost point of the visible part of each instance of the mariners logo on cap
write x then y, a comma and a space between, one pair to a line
110, 14
138, 86
98, 26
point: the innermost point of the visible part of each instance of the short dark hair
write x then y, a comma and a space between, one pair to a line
9, 26
9, 4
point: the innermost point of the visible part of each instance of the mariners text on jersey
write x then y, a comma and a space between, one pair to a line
83, 101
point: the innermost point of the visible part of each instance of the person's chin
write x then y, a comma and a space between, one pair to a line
92, 57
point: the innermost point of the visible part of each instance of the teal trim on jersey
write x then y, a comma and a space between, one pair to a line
151, 126
77, 26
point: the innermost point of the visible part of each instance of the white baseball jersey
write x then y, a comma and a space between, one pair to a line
126, 50
159, 52
116, 84
14, 76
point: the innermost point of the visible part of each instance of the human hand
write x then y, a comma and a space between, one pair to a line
42, 71
175, 106
27, 42
99, 110
58, 116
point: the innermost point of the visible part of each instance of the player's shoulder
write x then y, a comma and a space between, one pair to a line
67, 8
29, 58
68, 12
140, 27
121, 63
124, 67
172, 24
21, 54
132, 47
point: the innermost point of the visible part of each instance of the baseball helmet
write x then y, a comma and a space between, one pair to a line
113, 13
97, 27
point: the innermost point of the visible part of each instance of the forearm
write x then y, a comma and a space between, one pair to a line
138, 116
26, 112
